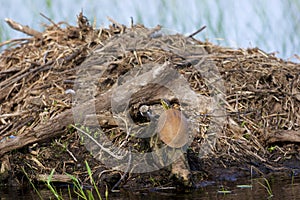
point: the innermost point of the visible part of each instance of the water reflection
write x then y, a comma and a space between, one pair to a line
281, 188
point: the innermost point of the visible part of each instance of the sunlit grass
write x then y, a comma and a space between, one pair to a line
76, 188
32, 185
224, 191
86, 194
265, 184
52, 188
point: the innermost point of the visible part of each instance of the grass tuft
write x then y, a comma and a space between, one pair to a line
78, 189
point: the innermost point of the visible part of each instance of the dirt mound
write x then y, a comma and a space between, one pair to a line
254, 123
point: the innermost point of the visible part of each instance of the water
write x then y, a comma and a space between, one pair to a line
280, 189
272, 26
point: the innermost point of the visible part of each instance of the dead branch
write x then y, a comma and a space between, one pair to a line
284, 136
56, 126
52, 128
24, 29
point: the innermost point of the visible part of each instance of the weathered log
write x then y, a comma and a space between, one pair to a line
53, 128
62, 178
56, 126
284, 136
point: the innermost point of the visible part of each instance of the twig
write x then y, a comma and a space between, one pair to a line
15, 41
69, 152
114, 22
122, 27
198, 31
126, 126
131, 22
97, 143
13, 114
50, 20
24, 29
20, 75
125, 173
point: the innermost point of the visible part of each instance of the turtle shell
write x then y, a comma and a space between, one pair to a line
173, 128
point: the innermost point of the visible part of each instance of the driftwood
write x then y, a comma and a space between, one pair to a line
56, 126
284, 136
54, 178
25, 29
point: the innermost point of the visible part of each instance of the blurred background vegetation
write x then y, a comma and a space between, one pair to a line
273, 26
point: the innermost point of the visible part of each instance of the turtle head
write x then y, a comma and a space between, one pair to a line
165, 104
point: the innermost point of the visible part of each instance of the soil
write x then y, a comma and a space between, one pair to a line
256, 134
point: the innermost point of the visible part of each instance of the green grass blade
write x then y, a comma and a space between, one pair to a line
35, 189
92, 180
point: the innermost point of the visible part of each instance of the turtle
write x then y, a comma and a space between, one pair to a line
172, 126
173, 130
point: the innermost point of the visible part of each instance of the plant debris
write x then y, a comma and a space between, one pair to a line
38, 75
